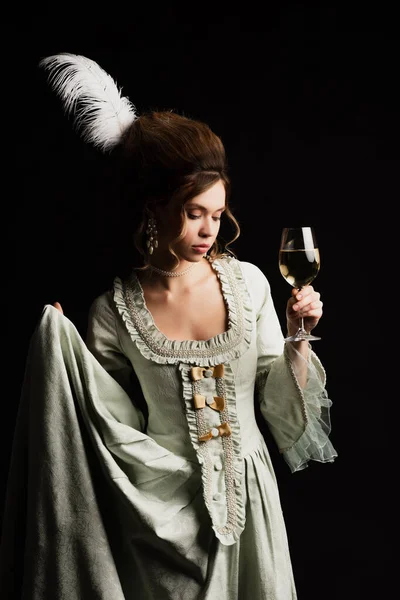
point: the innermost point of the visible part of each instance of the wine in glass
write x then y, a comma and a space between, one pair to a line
299, 264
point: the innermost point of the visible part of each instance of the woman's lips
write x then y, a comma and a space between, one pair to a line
200, 249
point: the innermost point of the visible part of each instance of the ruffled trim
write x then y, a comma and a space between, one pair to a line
228, 532
314, 443
155, 346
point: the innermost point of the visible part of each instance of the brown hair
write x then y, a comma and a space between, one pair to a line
165, 156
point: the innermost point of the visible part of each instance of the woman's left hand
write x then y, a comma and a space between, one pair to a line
304, 303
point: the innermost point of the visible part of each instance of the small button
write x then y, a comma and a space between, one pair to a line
214, 432
217, 497
208, 373
218, 466
210, 400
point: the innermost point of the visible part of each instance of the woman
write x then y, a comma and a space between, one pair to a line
189, 336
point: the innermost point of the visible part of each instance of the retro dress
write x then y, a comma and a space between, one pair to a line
195, 512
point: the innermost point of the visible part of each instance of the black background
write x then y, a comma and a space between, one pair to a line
305, 98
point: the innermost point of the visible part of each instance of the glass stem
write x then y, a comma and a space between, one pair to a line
301, 326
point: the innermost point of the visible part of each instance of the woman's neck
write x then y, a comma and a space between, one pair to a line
187, 274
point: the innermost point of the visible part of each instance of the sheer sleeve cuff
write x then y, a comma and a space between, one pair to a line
314, 443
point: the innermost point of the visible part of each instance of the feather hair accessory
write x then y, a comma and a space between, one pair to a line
101, 114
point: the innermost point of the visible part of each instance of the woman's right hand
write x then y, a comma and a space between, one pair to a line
57, 305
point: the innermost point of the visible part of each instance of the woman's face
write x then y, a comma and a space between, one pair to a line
202, 223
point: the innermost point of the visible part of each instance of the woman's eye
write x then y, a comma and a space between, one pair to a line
190, 216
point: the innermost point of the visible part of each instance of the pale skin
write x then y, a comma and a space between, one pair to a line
178, 304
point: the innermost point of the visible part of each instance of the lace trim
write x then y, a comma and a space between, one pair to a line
154, 345
297, 385
227, 530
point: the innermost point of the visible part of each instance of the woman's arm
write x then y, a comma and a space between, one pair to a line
290, 381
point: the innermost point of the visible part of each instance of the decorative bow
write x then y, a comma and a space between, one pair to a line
217, 402
223, 430
200, 372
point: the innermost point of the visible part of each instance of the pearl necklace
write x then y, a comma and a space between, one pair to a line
172, 273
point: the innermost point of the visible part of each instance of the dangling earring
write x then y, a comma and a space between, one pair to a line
152, 241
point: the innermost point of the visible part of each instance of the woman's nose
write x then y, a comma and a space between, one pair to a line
207, 228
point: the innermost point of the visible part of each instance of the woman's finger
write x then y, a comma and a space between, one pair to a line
57, 305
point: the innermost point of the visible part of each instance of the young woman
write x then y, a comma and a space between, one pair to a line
179, 479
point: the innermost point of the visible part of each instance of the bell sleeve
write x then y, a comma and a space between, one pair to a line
298, 417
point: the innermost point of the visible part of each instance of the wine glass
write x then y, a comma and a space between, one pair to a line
299, 264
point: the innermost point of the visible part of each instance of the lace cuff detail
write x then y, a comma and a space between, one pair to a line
314, 443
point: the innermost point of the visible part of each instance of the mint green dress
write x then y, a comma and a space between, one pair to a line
138, 469
219, 516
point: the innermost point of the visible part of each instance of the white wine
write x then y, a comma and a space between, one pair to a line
299, 264
299, 267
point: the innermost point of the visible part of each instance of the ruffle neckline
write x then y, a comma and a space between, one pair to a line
154, 345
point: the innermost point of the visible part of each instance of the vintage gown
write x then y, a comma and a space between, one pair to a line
148, 477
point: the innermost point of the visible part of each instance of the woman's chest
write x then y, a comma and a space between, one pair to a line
192, 316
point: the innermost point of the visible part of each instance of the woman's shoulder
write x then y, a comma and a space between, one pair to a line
250, 271
252, 281
102, 302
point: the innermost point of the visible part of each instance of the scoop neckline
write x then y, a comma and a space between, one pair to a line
154, 345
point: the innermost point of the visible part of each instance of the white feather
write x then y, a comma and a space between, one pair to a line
100, 112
